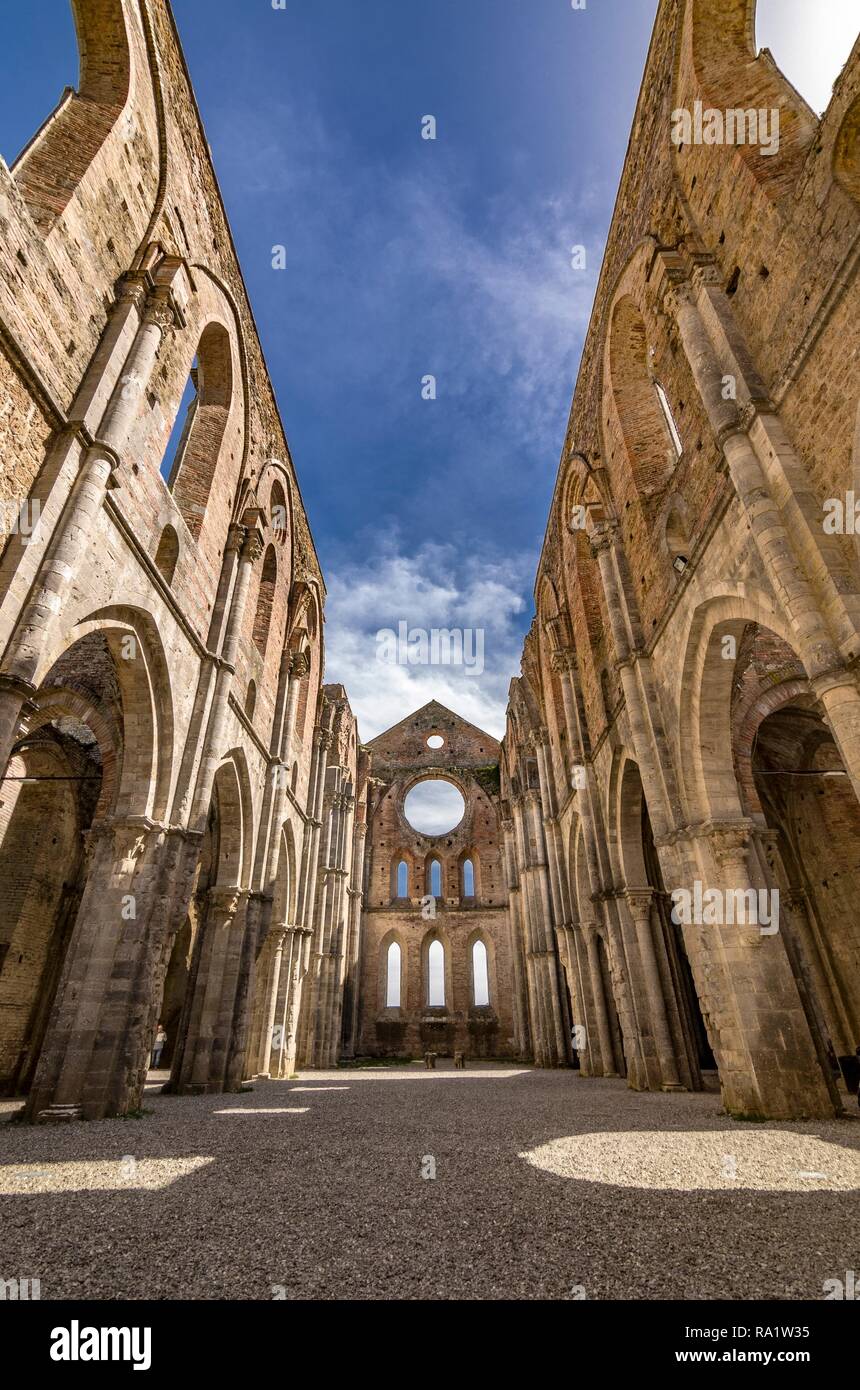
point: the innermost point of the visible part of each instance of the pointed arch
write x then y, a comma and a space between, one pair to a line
393, 975
433, 877
145, 686
436, 990
649, 433
400, 875
192, 470
52, 166
265, 600
479, 967
704, 741
729, 74
392, 971
232, 792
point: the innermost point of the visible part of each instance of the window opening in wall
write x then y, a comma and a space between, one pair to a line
181, 429
436, 975
434, 807
468, 879
810, 44
669, 418
392, 983
265, 600
403, 879
436, 878
480, 975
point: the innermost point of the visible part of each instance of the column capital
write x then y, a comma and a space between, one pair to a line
133, 289
252, 546
730, 841
300, 665
564, 661
675, 294
235, 536
640, 900
604, 536
705, 273
225, 901
159, 311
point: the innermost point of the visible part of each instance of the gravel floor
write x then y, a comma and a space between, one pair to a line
544, 1183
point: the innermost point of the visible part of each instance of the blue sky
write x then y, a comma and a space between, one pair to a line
407, 257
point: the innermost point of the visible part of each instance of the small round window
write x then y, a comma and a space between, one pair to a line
435, 741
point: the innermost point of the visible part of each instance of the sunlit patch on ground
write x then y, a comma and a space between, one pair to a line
261, 1110
103, 1175
295, 1089
692, 1161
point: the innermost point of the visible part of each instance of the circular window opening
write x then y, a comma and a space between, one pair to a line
435, 741
434, 807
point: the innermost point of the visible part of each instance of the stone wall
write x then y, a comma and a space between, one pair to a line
688, 599
401, 759
197, 576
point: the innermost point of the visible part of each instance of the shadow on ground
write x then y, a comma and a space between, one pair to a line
544, 1182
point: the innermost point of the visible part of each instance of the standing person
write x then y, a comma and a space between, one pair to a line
158, 1046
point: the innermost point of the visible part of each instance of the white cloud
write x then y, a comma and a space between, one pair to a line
423, 590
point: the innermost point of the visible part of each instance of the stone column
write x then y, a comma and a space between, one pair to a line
653, 757
765, 1052
286, 1064
208, 1058
640, 903
522, 1040
295, 668
607, 1052
585, 1010
269, 1001
558, 883
545, 960
355, 894
602, 891
307, 902
95, 1054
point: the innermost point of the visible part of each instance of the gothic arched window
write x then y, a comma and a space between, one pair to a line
392, 977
